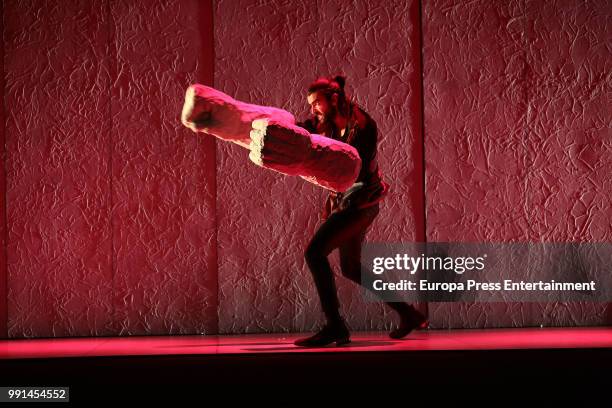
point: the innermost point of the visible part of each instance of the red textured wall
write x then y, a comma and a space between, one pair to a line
57, 176
518, 143
120, 221
162, 184
3, 271
110, 201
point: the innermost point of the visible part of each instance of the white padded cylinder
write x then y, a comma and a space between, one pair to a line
289, 149
272, 137
208, 110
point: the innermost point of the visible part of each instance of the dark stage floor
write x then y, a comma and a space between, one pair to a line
441, 340
571, 360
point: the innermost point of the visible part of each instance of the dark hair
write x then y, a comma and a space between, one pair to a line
329, 86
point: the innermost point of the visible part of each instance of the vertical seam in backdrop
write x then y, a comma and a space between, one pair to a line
206, 75
110, 75
422, 126
422, 119
3, 260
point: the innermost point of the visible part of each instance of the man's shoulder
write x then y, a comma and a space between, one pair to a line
363, 119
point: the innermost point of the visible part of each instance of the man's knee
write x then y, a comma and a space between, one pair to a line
351, 270
313, 253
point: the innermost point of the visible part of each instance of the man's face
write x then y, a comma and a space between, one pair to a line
324, 109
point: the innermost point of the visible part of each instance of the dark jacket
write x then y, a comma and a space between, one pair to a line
369, 188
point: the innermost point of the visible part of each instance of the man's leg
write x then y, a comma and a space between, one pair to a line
338, 229
350, 263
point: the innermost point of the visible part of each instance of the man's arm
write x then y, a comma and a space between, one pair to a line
368, 143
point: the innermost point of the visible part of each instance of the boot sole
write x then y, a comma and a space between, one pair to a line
339, 343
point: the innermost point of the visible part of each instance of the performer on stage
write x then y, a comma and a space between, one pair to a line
346, 216
336, 150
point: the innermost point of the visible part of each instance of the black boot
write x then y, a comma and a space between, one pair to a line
410, 320
331, 333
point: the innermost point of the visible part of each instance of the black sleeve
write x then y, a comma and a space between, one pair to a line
368, 143
308, 124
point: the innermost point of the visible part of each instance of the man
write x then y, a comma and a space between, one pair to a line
347, 216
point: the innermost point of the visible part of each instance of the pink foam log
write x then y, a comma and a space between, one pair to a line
210, 111
291, 150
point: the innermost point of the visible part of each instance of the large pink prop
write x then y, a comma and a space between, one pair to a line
211, 111
272, 137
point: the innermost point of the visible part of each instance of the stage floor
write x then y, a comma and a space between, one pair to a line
533, 363
424, 340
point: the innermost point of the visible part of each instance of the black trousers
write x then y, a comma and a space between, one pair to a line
346, 231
